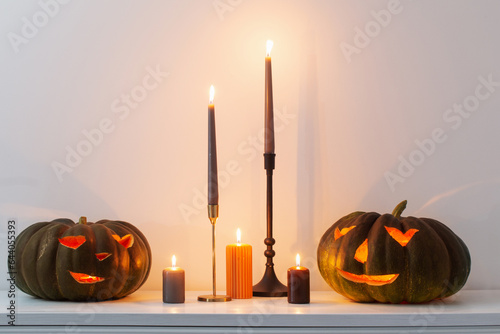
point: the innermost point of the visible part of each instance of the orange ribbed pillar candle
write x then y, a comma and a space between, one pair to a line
239, 270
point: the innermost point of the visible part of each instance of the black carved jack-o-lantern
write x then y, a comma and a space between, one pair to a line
61, 260
387, 258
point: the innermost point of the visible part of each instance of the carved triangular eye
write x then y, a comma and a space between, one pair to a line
361, 254
402, 239
342, 232
72, 241
126, 241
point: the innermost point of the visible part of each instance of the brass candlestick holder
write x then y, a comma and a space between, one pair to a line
213, 214
269, 285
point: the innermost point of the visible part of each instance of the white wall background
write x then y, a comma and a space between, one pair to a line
344, 121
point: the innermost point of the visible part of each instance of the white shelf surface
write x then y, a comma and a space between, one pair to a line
479, 309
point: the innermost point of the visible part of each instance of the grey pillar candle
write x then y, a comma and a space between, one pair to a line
174, 286
269, 109
213, 186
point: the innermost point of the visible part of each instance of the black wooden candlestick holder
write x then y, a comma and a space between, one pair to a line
269, 285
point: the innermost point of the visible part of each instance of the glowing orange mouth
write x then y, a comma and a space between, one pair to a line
375, 280
85, 278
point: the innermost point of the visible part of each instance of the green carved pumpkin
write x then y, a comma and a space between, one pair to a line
369, 257
61, 260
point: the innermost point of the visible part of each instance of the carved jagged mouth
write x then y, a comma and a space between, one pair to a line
375, 280
102, 256
86, 278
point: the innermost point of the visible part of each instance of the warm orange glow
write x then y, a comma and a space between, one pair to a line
212, 94
126, 241
102, 256
297, 260
72, 241
341, 233
397, 235
238, 236
85, 278
174, 261
269, 46
361, 254
375, 280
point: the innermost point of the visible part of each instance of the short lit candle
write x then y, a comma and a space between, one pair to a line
298, 284
269, 109
213, 186
239, 269
174, 289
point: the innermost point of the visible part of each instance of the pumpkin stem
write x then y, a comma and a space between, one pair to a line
398, 210
83, 220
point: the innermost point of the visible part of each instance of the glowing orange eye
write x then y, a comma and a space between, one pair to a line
72, 241
126, 241
341, 233
361, 254
102, 256
402, 239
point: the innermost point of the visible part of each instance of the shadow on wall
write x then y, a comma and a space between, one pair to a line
31, 193
310, 151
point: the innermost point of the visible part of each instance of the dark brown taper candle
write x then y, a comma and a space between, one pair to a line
213, 184
269, 121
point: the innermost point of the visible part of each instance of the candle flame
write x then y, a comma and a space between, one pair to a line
238, 236
297, 260
173, 261
269, 47
212, 93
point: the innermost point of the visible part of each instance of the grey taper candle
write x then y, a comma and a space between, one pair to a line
213, 186
269, 115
